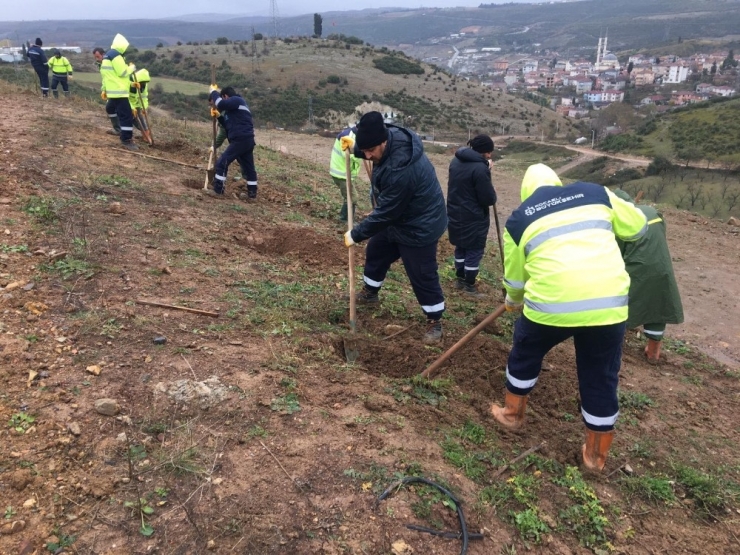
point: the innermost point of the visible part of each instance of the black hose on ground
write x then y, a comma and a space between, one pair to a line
463, 534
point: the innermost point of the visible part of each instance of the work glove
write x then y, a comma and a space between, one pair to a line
69, 77
103, 95
511, 305
213, 88
132, 68
348, 241
215, 113
136, 85
347, 143
210, 150
134, 112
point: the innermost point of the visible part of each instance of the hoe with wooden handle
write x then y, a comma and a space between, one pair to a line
466, 338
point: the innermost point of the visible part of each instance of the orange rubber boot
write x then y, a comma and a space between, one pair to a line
596, 448
511, 415
652, 350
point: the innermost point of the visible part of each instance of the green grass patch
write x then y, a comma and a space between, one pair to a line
655, 489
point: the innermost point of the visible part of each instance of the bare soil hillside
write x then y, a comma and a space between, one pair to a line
127, 428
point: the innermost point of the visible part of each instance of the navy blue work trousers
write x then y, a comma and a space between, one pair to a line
121, 108
243, 152
598, 359
421, 268
43, 73
467, 263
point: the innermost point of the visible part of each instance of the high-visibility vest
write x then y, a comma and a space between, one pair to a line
337, 165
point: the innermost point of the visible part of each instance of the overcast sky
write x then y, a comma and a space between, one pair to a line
16, 10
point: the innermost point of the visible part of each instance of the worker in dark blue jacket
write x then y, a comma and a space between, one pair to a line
408, 219
236, 118
40, 64
470, 194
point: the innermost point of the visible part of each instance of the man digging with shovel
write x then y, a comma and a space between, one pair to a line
408, 219
237, 120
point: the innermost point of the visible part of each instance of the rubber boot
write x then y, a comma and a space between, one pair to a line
511, 415
652, 351
116, 126
66, 94
55, 93
595, 449
343, 213
252, 191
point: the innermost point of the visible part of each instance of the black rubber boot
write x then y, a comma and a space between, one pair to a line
343, 213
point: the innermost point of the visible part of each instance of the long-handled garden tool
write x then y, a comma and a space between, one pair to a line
500, 244
466, 338
211, 169
141, 116
351, 350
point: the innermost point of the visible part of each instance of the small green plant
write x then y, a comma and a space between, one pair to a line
656, 489
63, 540
634, 400
162, 492
9, 512
256, 431
287, 404
475, 433
144, 510
110, 328
13, 248
21, 421
114, 180
710, 494
69, 267
586, 516
530, 525
42, 208
460, 457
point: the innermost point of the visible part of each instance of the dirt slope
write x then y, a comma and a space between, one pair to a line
249, 433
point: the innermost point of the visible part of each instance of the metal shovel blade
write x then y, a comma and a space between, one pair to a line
351, 349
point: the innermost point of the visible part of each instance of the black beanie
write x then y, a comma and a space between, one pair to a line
371, 131
39, 42
481, 143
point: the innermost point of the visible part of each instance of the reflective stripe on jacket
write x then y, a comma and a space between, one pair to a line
114, 70
60, 65
337, 164
561, 257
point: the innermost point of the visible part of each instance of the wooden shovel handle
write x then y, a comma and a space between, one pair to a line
350, 225
466, 338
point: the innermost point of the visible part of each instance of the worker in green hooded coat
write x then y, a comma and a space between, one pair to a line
654, 300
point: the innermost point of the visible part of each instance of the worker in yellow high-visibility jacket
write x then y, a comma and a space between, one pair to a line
115, 75
61, 72
338, 171
564, 268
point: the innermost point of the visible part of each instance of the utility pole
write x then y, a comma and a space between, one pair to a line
275, 16
310, 111
593, 137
